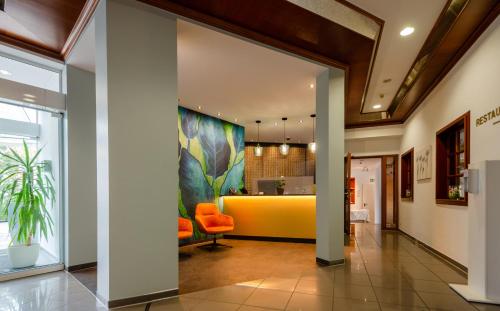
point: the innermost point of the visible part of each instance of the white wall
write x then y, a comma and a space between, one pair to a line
81, 178
372, 146
137, 164
473, 84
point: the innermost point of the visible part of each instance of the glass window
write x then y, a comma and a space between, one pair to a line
46, 236
17, 71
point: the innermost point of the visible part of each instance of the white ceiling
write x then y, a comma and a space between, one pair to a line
396, 53
245, 82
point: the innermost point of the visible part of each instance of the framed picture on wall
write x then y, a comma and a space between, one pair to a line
423, 163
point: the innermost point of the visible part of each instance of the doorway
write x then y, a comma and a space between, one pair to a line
373, 188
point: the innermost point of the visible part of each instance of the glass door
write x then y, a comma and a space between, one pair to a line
31, 217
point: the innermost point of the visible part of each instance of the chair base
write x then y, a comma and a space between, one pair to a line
214, 245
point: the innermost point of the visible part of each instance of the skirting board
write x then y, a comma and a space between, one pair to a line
139, 299
470, 294
81, 266
269, 239
454, 264
323, 262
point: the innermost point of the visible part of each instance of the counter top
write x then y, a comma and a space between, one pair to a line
268, 195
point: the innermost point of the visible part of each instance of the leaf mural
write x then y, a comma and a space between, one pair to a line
239, 138
193, 184
216, 149
211, 161
189, 122
233, 178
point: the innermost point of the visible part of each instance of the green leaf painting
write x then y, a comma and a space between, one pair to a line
215, 145
211, 160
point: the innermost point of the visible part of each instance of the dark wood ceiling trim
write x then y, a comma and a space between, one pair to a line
17, 42
493, 14
381, 24
83, 20
234, 28
449, 46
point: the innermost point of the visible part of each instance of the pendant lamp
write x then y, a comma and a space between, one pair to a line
257, 150
284, 148
312, 145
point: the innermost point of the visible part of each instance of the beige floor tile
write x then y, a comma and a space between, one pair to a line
394, 282
398, 297
175, 304
342, 304
358, 292
215, 306
250, 308
231, 294
389, 307
318, 286
285, 284
431, 287
269, 298
342, 277
446, 302
254, 283
486, 307
306, 302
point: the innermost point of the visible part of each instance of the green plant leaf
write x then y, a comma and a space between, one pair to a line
216, 150
192, 183
233, 178
189, 122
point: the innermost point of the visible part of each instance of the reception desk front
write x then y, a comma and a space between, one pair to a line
272, 216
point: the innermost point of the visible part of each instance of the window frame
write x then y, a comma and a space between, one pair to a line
407, 174
444, 144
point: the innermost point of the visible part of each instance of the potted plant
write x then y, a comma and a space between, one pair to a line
26, 186
280, 186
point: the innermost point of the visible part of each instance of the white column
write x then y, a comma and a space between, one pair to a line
330, 167
81, 180
137, 167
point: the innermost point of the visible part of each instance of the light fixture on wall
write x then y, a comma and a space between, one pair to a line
312, 145
257, 150
284, 148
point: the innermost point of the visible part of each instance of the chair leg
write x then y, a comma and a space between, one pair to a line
214, 244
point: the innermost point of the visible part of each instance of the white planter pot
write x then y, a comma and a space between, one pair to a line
22, 256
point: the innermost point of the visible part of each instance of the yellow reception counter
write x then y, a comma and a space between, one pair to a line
275, 216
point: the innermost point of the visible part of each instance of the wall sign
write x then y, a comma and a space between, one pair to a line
493, 115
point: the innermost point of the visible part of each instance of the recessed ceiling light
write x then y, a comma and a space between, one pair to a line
29, 96
235, 119
199, 107
311, 85
219, 114
300, 121
5, 72
377, 106
407, 31
31, 100
275, 123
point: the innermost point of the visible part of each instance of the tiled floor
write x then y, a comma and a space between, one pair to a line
384, 271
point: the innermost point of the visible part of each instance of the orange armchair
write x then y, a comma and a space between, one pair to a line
212, 222
185, 228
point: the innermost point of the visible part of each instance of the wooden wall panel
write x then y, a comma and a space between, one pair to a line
299, 162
